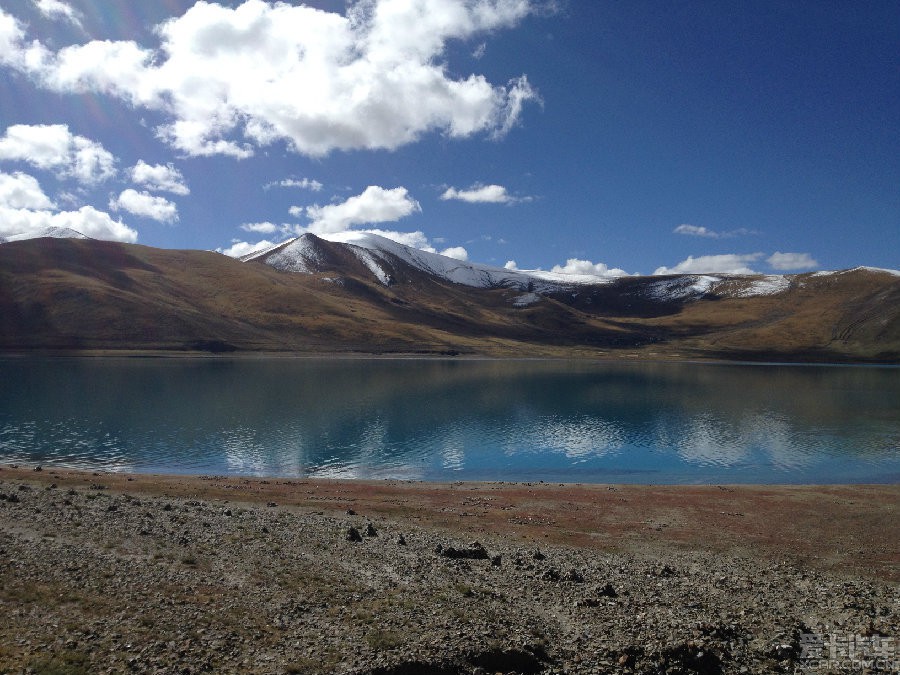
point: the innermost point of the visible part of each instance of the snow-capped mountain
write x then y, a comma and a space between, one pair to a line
384, 257
386, 261
361, 293
51, 232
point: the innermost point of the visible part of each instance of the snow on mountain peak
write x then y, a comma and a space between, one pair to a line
459, 271
47, 232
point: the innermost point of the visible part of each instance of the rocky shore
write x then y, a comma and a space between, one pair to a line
107, 573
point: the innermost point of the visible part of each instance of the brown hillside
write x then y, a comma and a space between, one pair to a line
66, 294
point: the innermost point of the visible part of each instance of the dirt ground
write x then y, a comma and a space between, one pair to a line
838, 527
110, 573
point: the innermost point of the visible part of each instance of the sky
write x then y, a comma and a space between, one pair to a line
583, 136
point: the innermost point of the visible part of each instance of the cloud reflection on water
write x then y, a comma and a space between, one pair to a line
448, 419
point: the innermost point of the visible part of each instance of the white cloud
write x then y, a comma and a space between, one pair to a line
54, 147
695, 231
242, 248
792, 261
415, 239
159, 178
576, 266
230, 78
87, 220
480, 194
262, 228
145, 205
25, 210
374, 205
55, 9
728, 263
419, 241
457, 252
700, 231
302, 183
21, 191
511, 265
11, 37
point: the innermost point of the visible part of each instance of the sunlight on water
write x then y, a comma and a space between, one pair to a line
448, 420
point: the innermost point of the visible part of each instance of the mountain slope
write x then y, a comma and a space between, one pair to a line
313, 296
51, 232
384, 257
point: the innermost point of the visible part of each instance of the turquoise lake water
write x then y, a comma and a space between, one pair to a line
455, 419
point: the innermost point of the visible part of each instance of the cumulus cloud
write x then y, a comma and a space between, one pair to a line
457, 252
21, 191
54, 147
55, 9
374, 205
242, 248
159, 178
511, 265
416, 240
262, 228
700, 231
145, 205
302, 183
87, 220
727, 263
792, 261
26, 211
576, 266
480, 194
229, 79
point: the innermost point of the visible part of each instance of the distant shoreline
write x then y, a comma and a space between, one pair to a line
631, 357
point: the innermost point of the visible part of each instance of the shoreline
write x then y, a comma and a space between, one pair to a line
608, 356
110, 573
777, 519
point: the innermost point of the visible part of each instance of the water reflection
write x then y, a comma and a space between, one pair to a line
653, 422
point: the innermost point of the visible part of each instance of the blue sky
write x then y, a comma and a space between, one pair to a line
586, 136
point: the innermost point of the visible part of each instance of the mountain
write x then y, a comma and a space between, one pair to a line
384, 258
360, 293
386, 261
51, 232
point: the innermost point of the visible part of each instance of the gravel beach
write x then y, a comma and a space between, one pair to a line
116, 573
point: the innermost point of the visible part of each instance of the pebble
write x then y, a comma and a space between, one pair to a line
90, 586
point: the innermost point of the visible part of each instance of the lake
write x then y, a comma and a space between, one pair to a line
443, 420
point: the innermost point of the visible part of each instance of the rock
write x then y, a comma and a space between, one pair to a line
608, 591
353, 534
573, 576
475, 551
663, 572
550, 574
370, 530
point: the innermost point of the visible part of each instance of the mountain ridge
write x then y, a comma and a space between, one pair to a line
312, 295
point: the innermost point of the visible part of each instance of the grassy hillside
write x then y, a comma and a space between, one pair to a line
64, 294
